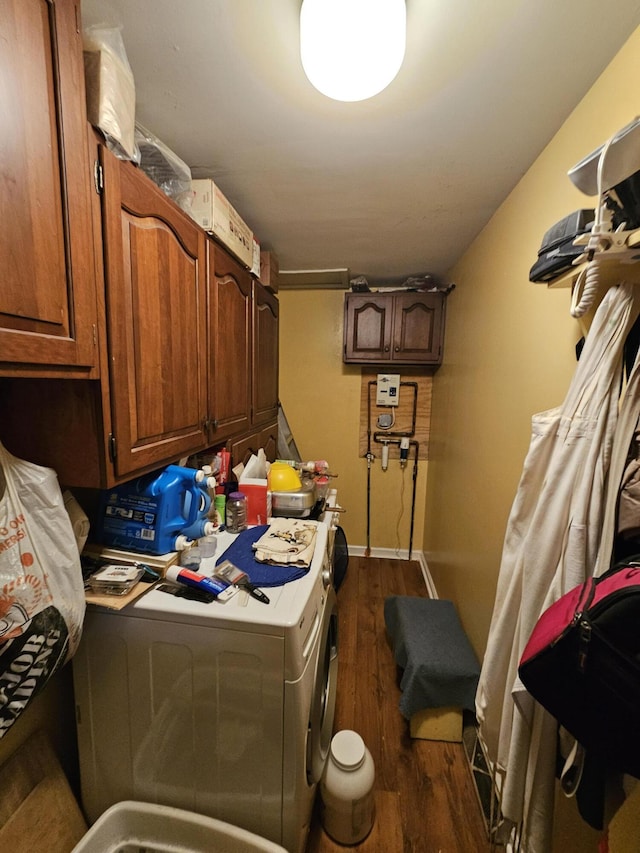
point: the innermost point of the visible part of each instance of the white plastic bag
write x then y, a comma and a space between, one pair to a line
110, 89
42, 600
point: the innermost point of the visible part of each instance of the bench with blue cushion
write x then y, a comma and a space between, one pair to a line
440, 668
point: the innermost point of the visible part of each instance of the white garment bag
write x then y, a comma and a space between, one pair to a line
551, 545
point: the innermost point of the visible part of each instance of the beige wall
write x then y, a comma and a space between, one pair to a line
509, 353
321, 399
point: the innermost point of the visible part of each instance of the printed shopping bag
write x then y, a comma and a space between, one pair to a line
41, 588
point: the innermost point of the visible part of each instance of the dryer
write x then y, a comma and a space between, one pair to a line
222, 709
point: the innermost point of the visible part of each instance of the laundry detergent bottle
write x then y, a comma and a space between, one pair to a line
150, 513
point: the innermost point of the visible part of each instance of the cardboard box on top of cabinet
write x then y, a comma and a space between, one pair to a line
213, 212
255, 265
269, 268
111, 95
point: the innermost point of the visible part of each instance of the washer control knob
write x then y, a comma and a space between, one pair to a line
327, 574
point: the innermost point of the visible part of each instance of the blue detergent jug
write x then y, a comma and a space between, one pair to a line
148, 514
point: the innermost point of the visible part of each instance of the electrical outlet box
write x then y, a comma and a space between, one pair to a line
388, 389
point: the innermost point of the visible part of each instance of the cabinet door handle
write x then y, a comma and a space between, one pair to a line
397, 349
386, 349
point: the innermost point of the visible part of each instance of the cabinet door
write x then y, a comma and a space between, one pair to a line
367, 327
229, 345
155, 270
264, 382
47, 296
418, 328
241, 449
269, 441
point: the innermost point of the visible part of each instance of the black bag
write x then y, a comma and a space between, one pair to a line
582, 663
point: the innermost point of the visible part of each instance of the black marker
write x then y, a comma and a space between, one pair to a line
254, 592
232, 574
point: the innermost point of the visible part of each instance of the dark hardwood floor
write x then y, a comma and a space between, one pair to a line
425, 798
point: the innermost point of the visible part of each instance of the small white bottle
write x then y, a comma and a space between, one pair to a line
346, 789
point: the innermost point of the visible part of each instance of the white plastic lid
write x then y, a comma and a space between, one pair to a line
348, 750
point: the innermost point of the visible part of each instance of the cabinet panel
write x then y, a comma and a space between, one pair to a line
264, 380
242, 448
269, 441
156, 297
48, 294
416, 330
68, 434
230, 318
368, 324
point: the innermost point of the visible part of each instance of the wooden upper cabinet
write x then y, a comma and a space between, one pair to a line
155, 271
243, 349
394, 328
230, 322
265, 355
48, 292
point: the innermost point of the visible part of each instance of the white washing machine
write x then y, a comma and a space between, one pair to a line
222, 709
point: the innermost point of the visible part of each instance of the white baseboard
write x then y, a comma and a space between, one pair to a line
402, 554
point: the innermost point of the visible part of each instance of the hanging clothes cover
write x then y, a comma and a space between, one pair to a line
551, 545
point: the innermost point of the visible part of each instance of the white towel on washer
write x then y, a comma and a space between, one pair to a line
287, 541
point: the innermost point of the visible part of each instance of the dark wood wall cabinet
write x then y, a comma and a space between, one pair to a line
399, 327
48, 313
128, 338
190, 355
150, 405
243, 358
155, 277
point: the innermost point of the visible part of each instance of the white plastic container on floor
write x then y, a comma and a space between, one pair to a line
158, 829
346, 789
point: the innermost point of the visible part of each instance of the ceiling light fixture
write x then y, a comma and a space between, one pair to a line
352, 49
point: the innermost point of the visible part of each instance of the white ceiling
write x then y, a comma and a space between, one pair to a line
390, 187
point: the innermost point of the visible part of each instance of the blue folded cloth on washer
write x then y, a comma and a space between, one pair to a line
241, 553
